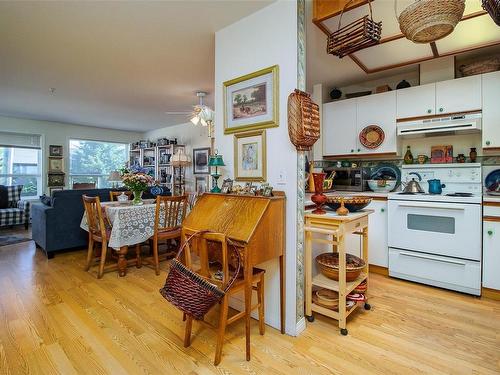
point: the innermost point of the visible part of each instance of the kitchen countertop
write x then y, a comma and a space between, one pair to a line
491, 198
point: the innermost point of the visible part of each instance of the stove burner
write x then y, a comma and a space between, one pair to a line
460, 195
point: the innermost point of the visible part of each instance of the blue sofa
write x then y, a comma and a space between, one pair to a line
56, 225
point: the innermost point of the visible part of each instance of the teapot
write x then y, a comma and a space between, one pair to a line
435, 186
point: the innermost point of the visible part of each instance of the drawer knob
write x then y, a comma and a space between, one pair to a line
352, 150
488, 143
490, 233
441, 109
382, 210
359, 149
429, 111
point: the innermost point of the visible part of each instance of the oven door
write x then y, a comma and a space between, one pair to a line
449, 229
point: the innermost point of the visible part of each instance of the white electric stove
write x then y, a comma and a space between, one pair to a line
436, 239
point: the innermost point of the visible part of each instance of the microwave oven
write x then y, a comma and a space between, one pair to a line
348, 179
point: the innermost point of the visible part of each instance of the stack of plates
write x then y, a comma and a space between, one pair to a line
361, 288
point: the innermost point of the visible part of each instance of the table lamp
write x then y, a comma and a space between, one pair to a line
115, 177
216, 161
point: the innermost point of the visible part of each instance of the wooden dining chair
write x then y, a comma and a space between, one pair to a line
99, 231
169, 214
204, 269
115, 194
192, 196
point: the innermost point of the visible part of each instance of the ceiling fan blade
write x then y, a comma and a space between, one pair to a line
179, 113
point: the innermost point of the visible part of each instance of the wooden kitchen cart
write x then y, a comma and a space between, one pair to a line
336, 228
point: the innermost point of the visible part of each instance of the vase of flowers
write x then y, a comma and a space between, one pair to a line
137, 181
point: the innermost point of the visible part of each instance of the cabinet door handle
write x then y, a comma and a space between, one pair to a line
441, 109
488, 143
352, 150
429, 110
490, 233
382, 210
359, 150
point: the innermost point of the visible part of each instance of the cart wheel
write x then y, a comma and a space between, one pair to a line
367, 306
310, 318
343, 332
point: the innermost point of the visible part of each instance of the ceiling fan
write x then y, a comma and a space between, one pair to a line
200, 113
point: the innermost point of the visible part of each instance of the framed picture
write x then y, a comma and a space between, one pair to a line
250, 156
251, 101
227, 186
55, 164
200, 160
55, 179
55, 150
201, 184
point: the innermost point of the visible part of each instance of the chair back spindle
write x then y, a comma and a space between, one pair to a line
95, 220
170, 212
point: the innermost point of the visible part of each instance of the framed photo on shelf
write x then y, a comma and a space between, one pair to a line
200, 160
251, 101
55, 150
56, 164
250, 156
201, 184
55, 179
227, 186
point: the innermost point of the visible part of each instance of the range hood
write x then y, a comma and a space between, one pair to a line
445, 125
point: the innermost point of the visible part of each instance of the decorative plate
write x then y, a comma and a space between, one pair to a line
386, 171
492, 181
371, 136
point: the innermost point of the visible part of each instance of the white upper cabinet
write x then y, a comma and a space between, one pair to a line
339, 128
491, 109
459, 95
379, 109
416, 101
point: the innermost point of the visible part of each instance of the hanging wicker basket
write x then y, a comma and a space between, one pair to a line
493, 9
425, 21
355, 36
303, 120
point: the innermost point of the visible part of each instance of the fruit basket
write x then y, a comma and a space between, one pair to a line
328, 265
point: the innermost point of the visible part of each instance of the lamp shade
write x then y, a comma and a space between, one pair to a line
216, 161
114, 176
180, 159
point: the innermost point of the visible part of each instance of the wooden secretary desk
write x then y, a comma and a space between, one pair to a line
257, 225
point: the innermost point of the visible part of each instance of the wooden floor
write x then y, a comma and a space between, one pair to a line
55, 318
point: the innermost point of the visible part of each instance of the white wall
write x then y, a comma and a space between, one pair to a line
265, 38
55, 133
187, 134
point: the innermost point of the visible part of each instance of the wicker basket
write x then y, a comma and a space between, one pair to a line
328, 265
493, 9
425, 21
354, 36
303, 120
479, 67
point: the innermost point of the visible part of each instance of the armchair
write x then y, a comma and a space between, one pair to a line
17, 211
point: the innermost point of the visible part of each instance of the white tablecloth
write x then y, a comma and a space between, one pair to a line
130, 224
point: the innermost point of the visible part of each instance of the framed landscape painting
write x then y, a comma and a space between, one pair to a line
200, 160
250, 156
251, 101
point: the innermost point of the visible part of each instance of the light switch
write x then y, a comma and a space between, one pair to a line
282, 178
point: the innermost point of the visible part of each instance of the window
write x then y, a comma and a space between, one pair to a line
93, 161
21, 166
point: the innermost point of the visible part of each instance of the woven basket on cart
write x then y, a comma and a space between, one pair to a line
303, 120
425, 21
354, 36
493, 9
190, 292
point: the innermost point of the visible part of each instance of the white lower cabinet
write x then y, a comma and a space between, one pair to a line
377, 236
491, 254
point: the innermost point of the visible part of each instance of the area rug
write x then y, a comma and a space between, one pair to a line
10, 240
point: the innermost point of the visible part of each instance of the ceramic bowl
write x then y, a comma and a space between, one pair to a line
382, 186
353, 204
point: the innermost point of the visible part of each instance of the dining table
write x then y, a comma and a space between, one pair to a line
130, 225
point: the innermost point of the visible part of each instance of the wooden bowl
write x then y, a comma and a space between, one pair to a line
353, 204
328, 265
327, 298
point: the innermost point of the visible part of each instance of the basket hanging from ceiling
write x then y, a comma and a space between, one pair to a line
355, 36
303, 120
493, 9
425, 21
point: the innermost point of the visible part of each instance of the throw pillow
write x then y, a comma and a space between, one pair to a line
4, 197
14, 195
46, 200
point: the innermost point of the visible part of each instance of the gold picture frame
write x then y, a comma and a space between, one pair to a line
250, 156
56, 164
262, 111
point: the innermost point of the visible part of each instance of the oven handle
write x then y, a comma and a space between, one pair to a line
446, 206
432, 258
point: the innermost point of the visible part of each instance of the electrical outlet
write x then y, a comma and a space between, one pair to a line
282, 178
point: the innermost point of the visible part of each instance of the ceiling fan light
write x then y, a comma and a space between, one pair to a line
203, 122
195, 120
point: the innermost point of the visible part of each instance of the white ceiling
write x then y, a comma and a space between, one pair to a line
117, 65
332, 71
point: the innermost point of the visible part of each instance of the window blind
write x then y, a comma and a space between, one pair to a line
8, 139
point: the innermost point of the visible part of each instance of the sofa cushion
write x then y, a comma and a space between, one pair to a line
14, 193
4, 197
11, 216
